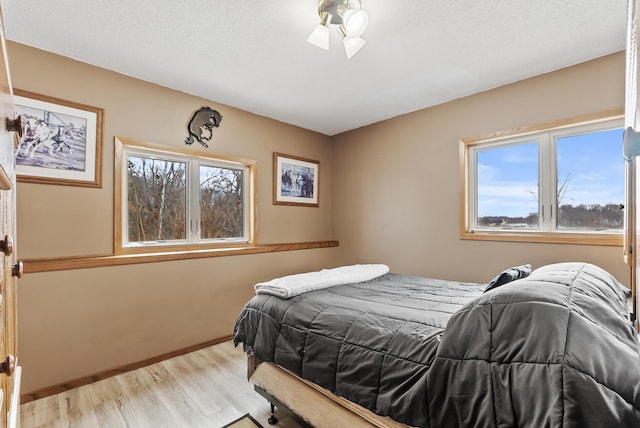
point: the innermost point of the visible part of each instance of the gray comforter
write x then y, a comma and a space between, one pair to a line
555, 349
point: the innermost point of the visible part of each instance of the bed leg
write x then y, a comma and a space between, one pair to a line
272, 419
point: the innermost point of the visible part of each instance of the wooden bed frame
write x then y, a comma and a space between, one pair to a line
310, 404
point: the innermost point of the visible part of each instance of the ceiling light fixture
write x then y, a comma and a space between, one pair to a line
348, 17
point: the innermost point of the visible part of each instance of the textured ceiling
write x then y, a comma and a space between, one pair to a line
253, 54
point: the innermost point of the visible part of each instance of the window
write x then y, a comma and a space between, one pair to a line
172, 199
560, 184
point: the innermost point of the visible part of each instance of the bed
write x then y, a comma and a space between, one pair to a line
550, 347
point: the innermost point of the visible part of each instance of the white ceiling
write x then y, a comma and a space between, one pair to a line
253, 54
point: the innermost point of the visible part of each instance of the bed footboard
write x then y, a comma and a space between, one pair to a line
313, 405
253, 361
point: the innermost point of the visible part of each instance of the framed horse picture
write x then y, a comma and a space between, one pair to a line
295, 181
61, 141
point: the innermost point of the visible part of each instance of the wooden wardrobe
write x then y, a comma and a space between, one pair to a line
631, 152
10, 269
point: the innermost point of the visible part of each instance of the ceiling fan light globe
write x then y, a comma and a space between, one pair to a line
355, 22
352, 45
320, 37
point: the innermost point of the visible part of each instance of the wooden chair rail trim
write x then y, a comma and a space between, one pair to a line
66, 386
95, 261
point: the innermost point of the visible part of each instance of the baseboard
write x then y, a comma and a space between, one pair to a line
56, 389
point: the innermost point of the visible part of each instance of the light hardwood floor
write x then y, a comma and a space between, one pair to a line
206, 388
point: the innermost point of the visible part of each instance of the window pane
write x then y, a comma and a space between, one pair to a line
590, 187
507, 187
221, 202
156, 199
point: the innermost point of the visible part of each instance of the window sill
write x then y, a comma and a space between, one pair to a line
87, 262
181, 248
575, 238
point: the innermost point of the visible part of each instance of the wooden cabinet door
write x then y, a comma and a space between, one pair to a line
9, 268
632, 184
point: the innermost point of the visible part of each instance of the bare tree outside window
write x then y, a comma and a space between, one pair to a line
156, 199
589, 181
181, 200
221, 202
592, 194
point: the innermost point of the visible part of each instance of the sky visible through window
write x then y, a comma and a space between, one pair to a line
591, 166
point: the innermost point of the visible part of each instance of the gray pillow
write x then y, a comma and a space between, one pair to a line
508, 275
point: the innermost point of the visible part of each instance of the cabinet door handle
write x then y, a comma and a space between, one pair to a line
6, 246
8, 365
15, 125
17, 269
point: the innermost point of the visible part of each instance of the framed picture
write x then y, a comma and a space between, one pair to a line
61, 141
295, 180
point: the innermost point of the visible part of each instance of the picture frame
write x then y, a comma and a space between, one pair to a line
296, 181
61, 141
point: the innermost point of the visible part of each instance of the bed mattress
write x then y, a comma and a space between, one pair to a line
556, 348
371, 343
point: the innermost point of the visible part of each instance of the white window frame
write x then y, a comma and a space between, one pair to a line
545, 135
193, 160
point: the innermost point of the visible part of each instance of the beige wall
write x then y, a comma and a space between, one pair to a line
81, 322
147, 112
395, 183
388, 192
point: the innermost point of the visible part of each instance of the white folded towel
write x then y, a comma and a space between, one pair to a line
292, 285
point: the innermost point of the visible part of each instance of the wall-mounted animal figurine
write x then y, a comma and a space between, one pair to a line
201, 125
